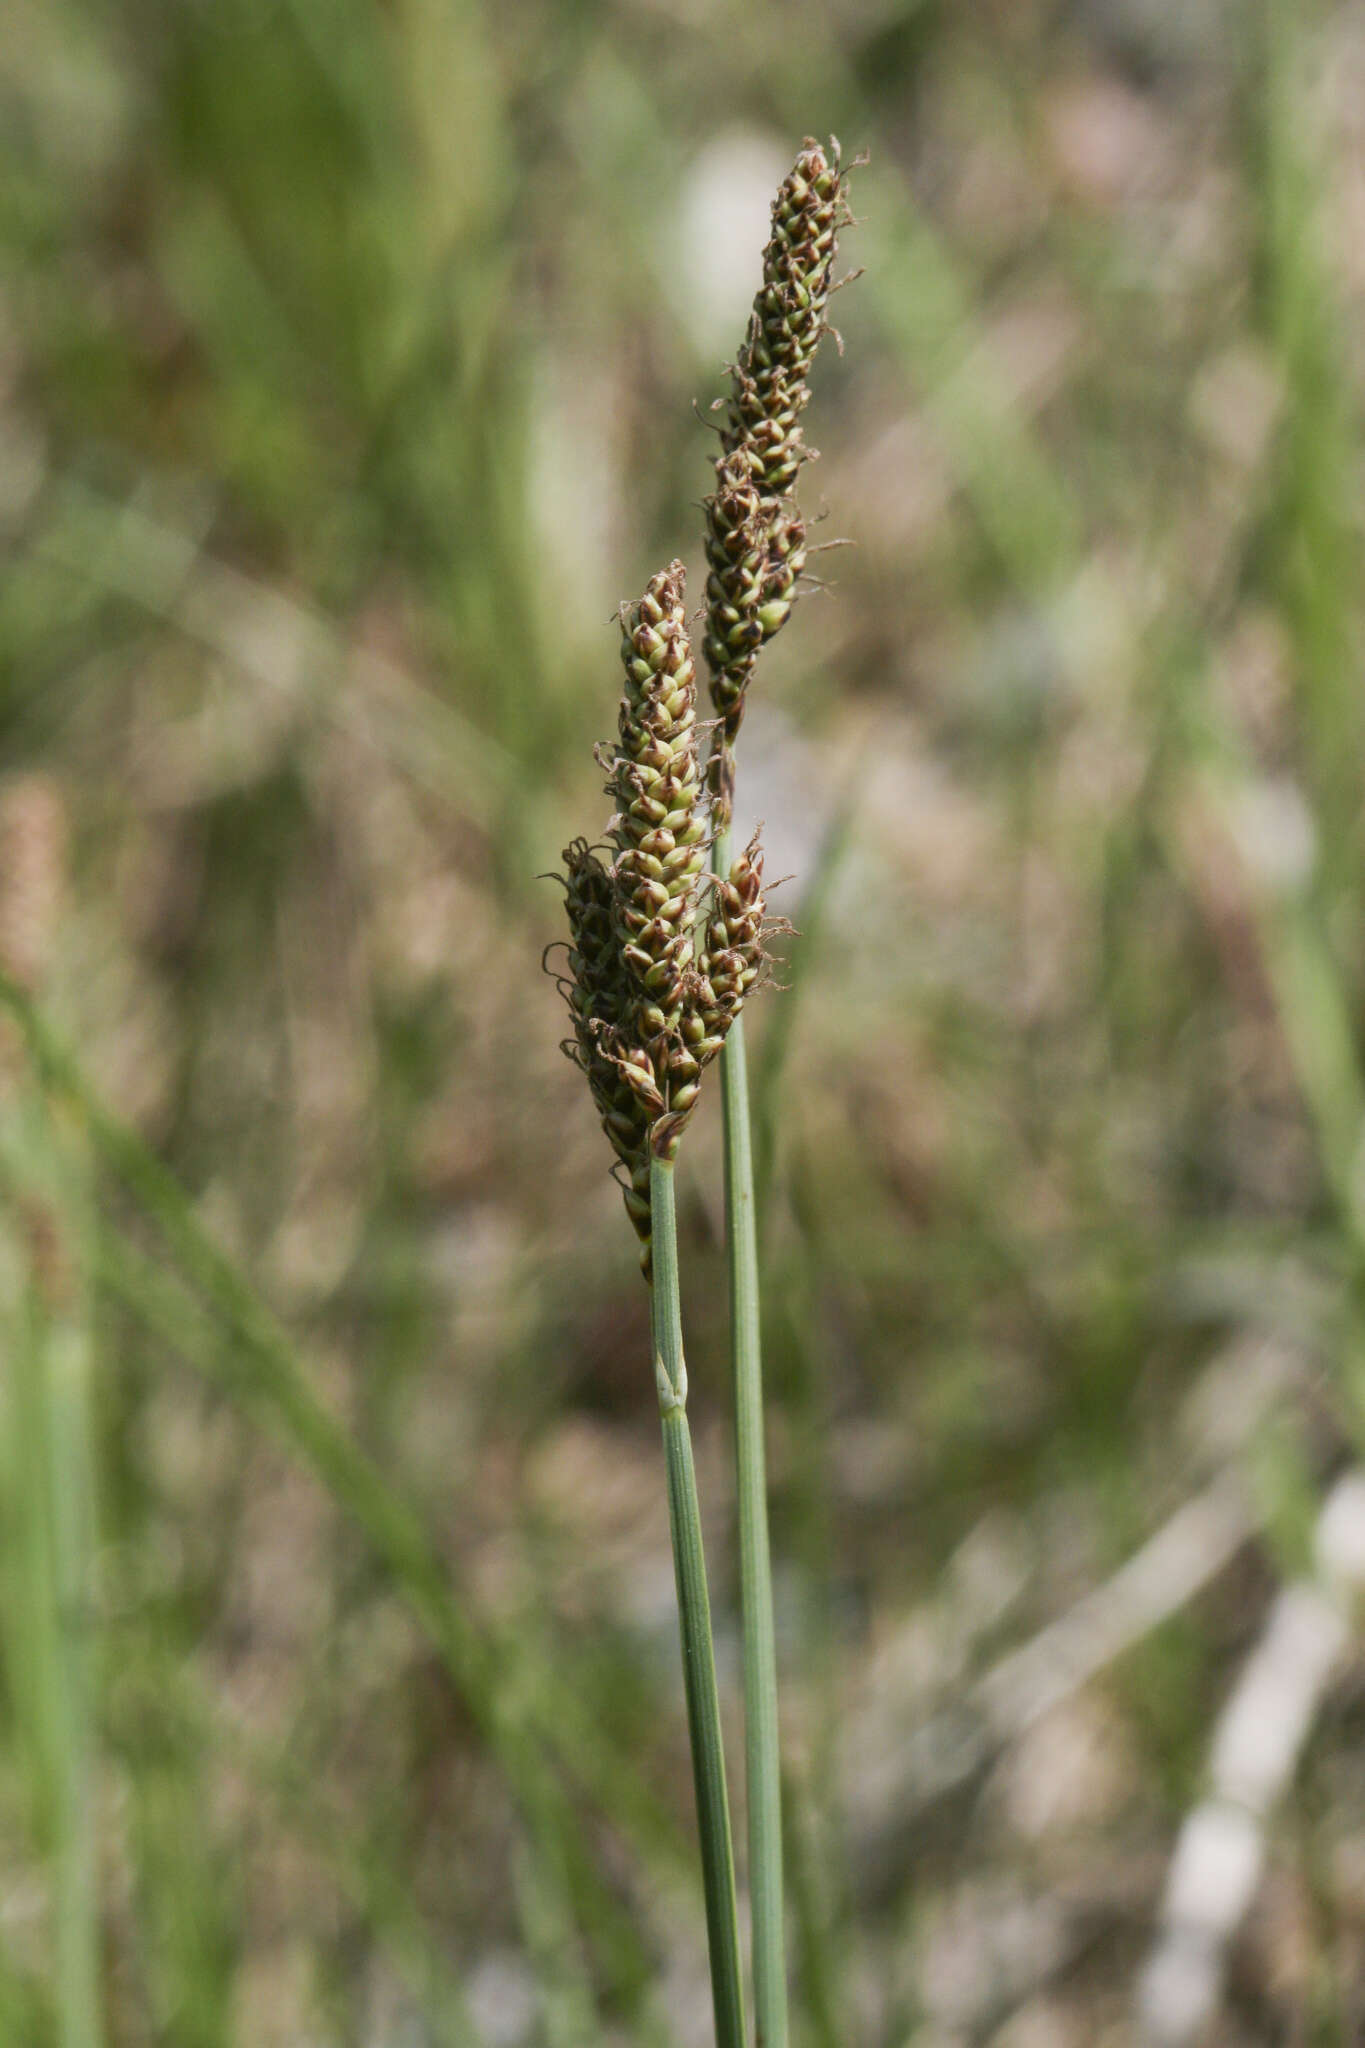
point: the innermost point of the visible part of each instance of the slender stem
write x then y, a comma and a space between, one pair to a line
763, 1782
694, 1620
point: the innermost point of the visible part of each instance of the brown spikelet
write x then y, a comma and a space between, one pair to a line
768, 387
647, 1011
735, 958
600, 1000
737, 556
756, 538
659, 960
659, 830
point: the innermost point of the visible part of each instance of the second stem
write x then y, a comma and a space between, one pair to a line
762, 1766
694, 1620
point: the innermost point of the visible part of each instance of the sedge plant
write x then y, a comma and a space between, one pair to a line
661, 957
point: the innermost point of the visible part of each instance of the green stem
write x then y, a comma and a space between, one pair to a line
763, 1782
694, 1620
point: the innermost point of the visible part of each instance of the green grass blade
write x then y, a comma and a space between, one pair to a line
545, 1718
172, 1721
816, 1937
1312, 538
53, 1487
76, 1845
694, 1621
1310, 991
568, 2008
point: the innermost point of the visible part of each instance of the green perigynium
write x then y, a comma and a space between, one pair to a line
661, 955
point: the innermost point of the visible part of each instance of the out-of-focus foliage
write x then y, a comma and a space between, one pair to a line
347, 360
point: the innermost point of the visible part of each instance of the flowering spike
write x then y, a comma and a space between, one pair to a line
756, 539
735, 956
769, 390
657, 976
737, 553
646, 1017
659, 831
600, 1002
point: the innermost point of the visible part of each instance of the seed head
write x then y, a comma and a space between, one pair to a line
756, 538
737, 553
735, 958
648, 1009
659, 829
600, 1000
769, 390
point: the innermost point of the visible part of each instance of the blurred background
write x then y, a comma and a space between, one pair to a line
354, 361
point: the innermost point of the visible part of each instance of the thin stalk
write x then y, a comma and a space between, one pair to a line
762, 1764
694, 1620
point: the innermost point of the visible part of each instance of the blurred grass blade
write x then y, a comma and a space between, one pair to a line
531, 1704
1314, 545
816, 1938
71, 1465
770, 1066
170, 1714
513, 1708
278, 642
53, 1658
569, 2015
1309, 989
1023, 506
